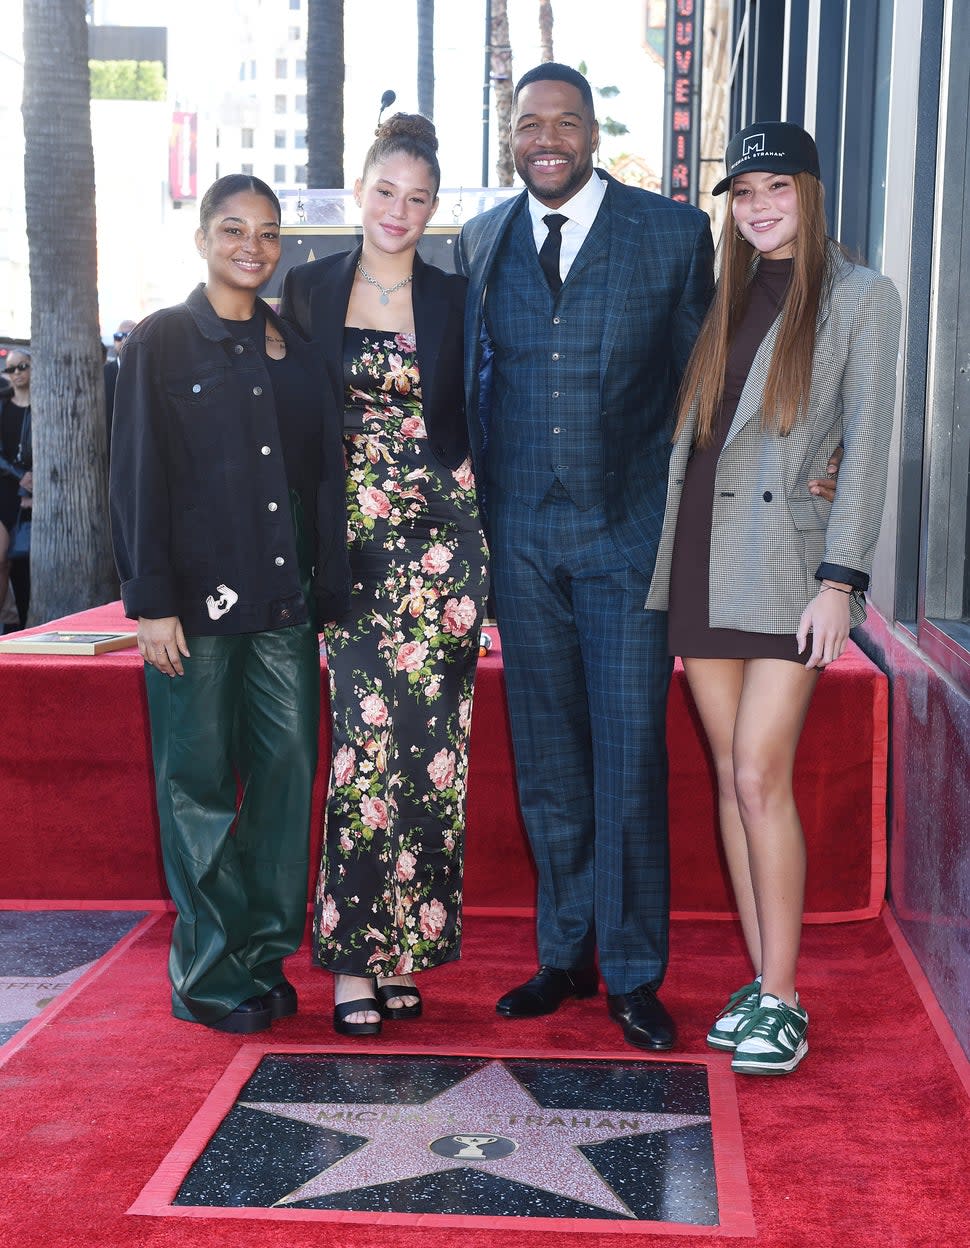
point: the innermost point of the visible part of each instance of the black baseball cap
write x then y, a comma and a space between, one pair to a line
769, 147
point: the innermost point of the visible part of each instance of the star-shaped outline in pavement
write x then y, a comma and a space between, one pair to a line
22, 997
396, 1146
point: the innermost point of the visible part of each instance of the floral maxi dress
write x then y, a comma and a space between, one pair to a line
402, 669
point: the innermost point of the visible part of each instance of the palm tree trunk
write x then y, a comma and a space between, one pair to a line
545, 29
502, 83
325, 93
71, 564
426, 58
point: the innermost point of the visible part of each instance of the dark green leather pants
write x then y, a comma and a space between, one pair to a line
234, 743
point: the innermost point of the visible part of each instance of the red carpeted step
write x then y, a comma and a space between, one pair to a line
78, 817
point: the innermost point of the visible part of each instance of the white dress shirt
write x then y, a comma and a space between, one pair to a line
581, 212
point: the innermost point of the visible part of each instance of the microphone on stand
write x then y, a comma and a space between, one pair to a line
387, 99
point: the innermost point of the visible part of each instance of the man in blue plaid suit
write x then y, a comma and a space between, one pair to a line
585, 297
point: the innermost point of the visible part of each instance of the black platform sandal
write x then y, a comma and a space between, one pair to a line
386, 993
343, 1011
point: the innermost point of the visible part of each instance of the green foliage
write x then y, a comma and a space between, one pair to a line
607, 124
127, 80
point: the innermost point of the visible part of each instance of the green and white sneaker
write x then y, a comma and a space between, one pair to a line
735, 1016
774, 1040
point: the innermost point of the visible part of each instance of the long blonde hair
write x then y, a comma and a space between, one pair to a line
790, 371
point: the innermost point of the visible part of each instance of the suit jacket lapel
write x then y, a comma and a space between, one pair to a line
625, 242
754, 387
493, 228
430, 316
328, 313
491, 243
597, 234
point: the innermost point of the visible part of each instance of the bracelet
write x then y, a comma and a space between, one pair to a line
837, 589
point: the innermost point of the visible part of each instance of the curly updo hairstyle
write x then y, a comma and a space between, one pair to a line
411, 134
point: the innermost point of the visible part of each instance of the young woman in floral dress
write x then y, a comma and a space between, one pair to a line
402, 662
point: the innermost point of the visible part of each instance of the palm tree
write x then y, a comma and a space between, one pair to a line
607, 124
545, 29
426, 58
325, 93
71, 564
502, 85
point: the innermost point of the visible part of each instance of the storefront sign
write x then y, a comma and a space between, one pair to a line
682, 111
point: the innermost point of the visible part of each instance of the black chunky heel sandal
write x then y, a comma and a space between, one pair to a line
386, 993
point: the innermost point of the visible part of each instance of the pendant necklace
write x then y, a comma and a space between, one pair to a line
386, 291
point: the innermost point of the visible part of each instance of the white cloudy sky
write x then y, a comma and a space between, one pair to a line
381, 53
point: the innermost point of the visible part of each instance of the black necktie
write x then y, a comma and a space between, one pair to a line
549, 251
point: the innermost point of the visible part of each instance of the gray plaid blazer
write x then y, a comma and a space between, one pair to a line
769, 535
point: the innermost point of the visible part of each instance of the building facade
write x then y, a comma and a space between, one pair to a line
884, 85
261, 118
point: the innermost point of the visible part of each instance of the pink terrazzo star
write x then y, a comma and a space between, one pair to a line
489, 1104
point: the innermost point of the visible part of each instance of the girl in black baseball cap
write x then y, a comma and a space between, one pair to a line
769, 147
761, 573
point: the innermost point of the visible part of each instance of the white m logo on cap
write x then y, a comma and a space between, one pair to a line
753, 144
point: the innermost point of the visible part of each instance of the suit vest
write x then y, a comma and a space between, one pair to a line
545, 405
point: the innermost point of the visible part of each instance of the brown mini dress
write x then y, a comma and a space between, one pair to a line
689, 633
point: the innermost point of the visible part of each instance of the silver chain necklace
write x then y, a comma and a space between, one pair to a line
386, 291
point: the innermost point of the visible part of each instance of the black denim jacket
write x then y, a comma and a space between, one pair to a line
200, 513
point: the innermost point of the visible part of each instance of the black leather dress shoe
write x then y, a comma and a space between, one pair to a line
282, 1000
547, 990
643, 1018
251, 1015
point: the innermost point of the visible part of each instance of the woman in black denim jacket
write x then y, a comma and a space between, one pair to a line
227, 483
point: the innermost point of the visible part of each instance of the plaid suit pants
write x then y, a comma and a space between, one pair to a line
587, 674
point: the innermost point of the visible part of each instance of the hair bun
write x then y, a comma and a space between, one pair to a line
408, 125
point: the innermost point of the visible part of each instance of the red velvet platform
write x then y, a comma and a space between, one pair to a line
77, 819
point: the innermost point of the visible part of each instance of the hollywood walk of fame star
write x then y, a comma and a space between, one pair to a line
24, 996
488, 1103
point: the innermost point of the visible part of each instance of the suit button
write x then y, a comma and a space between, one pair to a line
279, 561
264, 450
271, 506
257, 390
238, 348
285, 613
767, 496
196, 389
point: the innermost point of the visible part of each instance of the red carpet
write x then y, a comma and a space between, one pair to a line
79, 822
868, 1144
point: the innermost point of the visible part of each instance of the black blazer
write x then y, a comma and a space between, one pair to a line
110, 383
315, 298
